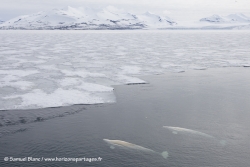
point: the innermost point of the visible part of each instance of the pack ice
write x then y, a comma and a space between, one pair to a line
40, 69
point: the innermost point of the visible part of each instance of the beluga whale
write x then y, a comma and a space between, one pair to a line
176, 130
126, 145
179, 130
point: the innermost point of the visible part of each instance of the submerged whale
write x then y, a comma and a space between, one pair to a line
176, 130
127, 145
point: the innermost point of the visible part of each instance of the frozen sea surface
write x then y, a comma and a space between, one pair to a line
40, 69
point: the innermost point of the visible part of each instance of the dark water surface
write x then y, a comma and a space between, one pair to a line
215, 102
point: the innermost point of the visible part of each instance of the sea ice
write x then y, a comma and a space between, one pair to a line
41, 69
61, 97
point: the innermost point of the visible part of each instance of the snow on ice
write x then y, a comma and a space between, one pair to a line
41, 69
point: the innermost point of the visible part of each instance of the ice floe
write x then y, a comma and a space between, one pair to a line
40, 69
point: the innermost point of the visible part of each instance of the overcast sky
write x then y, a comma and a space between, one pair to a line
176, 9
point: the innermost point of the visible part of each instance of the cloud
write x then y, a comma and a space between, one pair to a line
166, 12
178, 8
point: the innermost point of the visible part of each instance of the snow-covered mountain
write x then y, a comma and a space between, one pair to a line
232, 18
1, 21
213, 19
155, 20
87, 18
113, 18
232, 21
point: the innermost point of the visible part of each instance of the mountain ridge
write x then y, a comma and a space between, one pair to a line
86, 18
232, 18
110, 17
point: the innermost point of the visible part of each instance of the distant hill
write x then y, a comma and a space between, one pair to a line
232, 18
111, 18
87, 18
